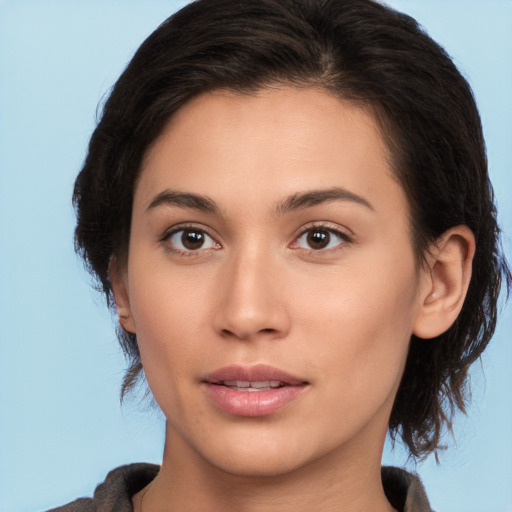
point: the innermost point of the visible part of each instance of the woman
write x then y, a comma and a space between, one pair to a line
287, 203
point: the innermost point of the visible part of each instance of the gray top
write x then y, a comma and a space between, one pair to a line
404, 490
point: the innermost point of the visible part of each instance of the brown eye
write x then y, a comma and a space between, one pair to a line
320, 239
192, 239
187, 240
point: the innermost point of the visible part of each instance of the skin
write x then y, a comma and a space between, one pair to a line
257, 291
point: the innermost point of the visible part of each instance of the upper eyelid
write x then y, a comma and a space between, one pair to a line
336, 229
325, 225
169, 233
191, 226
343, 231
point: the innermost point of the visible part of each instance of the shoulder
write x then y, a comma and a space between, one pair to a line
404, 490
115, 493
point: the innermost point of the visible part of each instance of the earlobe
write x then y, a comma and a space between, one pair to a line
118, 282
445, 282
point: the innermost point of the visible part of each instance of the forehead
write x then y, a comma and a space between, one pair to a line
267, 145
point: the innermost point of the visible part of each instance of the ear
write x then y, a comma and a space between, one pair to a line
119, 284
445, 282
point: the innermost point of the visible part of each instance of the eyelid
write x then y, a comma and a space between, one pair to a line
331, 227
336, 229
170, 232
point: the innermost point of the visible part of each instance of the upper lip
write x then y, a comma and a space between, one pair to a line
257, 373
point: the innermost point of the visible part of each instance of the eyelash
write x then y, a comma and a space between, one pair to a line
342, 237
182, 228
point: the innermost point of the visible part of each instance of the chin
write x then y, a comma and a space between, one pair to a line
261, 455
262, 465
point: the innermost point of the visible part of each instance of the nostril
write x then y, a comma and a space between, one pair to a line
247, 335
246, 319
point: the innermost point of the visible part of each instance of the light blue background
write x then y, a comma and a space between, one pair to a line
61, 425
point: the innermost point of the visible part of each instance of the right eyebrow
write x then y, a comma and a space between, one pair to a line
184, 200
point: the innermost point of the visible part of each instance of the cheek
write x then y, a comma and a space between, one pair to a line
170, 313
359, 323
166, 304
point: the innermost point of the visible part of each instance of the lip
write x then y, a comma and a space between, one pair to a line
241, 402
260, 372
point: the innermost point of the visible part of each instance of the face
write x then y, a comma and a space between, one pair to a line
271, 280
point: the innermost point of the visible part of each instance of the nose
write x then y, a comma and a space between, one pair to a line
251, 302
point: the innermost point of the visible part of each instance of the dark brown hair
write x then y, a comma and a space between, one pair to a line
359, 50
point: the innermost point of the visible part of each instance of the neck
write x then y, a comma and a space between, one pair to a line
345, 479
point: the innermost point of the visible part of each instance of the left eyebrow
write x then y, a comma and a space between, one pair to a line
315, 197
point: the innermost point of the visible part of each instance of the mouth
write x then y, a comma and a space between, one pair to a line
252, 391
257, 377
245, 385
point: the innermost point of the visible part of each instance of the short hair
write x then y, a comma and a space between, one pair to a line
361, 51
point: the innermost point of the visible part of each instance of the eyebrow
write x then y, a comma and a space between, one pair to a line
316, 197
299, 201
184, 200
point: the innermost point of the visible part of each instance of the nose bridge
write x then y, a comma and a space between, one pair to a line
250, 300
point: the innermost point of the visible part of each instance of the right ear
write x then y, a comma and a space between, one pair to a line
119, 283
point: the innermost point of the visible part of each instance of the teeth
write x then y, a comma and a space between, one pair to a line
236, 383
266, 384
252, 386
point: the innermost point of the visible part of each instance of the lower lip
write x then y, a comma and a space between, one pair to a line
252, 403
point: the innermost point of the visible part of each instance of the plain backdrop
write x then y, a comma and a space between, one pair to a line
61, 424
